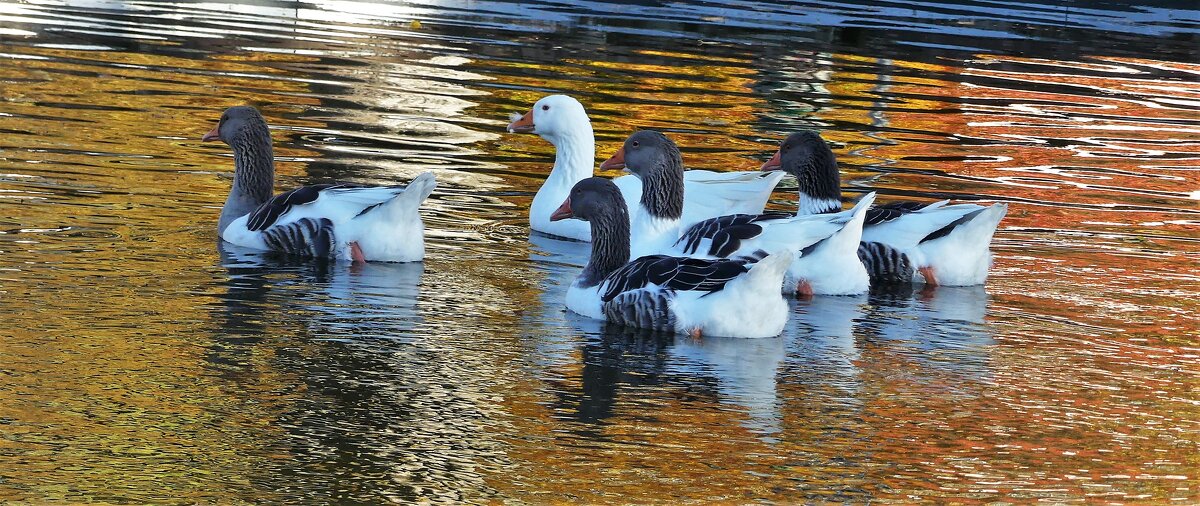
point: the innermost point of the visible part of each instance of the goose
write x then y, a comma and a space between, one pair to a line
698, 297
824, 246
562, 121
947, 244
340, 221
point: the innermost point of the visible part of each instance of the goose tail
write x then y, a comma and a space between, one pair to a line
414, 194
959, 254
766, 275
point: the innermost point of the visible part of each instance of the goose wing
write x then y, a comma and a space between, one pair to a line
341, 198
673, 273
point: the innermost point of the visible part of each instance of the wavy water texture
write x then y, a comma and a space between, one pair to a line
143, 363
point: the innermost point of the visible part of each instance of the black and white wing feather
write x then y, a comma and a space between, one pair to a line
884, 213
726, 232
642, 309
270, 211
885, 265
312, 237
673, 273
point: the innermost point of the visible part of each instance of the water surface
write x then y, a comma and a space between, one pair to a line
142, 363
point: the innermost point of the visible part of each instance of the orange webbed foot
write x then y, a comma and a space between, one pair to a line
356, 253
930, 277
804, 290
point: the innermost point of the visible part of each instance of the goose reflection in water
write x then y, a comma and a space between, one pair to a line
364, 351
943, 329
363, 300
367, 300
745, 370
820, 350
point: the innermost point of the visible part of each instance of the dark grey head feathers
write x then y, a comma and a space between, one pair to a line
243, 124
808, 157
246, 132
598, 201
655, 159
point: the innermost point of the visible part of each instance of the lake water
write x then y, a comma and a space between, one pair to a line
140, 363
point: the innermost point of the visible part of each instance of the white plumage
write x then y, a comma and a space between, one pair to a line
562, 121
947, 244
824, 246
390, 229
722, 297
747, 306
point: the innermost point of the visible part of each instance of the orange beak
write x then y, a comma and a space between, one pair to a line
524, 125
214, 134
563, 212
616, 162
773, 163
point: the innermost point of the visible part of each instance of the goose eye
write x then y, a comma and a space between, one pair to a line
545, 108
635, 144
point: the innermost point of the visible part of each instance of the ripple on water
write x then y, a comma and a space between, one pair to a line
134, 345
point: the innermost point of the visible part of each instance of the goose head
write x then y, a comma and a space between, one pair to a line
246, 133
808, 157
598, 201
553, 117
654, 159
645, 154
237, 124
594, 199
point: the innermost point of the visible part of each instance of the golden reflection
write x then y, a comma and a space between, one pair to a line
100, 373
1035, 143
142, 367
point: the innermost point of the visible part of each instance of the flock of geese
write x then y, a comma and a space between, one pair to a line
686, 251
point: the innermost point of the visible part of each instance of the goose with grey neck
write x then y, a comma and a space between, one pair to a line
562, 121
725, 297
946, 244
341, 221
824, 246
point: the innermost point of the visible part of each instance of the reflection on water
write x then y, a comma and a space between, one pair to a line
142, 364
745, 372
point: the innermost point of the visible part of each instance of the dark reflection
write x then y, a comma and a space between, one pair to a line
336, 301
245, 290
349, 291
617, 360
609, 352
546, 326
244, 305
378, 411
930, 28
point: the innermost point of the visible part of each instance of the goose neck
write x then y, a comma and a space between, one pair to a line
254, 165
575, 154
810, 204
662, 192
610, 246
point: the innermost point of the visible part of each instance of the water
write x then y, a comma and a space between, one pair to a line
141, 363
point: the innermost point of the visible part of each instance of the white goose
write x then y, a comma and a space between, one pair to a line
946, 244
824, 246
340, 221
562, 121
725, 297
